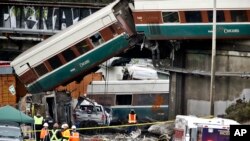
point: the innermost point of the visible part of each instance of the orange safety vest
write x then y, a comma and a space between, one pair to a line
43, 133
75, 136
132, 118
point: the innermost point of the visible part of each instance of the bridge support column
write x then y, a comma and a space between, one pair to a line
177, 95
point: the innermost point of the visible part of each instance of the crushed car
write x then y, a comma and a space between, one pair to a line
89, 113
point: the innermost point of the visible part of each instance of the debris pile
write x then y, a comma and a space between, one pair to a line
164, 131
133, 136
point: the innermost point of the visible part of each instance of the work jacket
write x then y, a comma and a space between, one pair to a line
38, 120
75, 136
54, 135
44, 133
132, 118
66, 135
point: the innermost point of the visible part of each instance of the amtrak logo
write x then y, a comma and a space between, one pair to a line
227, 30
231, 31
84, 63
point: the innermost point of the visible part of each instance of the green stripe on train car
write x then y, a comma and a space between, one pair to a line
186, 31
145, 113
78, 65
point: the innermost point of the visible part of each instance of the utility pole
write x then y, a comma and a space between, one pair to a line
212, 85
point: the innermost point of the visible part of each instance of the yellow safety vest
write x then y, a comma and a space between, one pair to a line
38, 121
66, 134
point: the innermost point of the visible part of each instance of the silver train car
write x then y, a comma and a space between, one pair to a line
75, 51
191, 19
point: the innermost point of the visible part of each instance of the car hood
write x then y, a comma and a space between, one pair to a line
9, 139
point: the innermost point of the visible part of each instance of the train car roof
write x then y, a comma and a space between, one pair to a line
63, 34
178, 5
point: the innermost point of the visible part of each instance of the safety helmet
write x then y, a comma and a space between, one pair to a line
46, 124
73, 127
132, 111
65, 125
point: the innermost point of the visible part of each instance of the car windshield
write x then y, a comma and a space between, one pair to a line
10, 132
90, 107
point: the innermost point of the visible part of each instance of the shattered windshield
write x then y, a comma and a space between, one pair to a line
10, 132
91, 108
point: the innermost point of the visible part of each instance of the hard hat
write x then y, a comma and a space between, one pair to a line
132, 111
46, 124
73, 127
66, 125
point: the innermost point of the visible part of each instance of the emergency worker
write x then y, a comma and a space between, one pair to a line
132, 119
38, 125
75, 136
65, 132
49, 120
44, 135
55, 133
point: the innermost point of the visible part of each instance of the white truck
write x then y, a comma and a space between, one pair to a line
192, 128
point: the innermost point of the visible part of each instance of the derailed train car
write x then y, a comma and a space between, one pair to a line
149, 98
77, 50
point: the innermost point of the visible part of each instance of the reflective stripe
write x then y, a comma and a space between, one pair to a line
54, 137
38, 120
132, 118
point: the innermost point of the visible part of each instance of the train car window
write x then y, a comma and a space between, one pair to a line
170, 17
82, 47
239, 15
55, 62
68, 55
193, 16
220, 17
96, 39
123, 99
41, 69
108, 33
151, 99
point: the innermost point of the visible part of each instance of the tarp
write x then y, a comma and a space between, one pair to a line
9, 113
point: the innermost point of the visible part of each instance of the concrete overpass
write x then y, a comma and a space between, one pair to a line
25, 23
